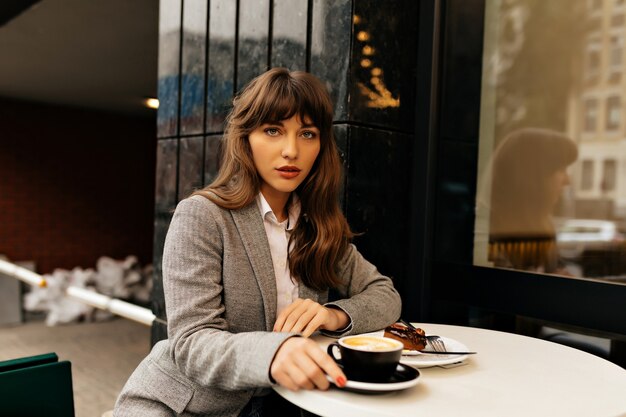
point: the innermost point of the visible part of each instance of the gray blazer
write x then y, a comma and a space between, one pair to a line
220, 296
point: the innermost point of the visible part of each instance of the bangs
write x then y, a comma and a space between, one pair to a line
548, 150
285, 106
286, 96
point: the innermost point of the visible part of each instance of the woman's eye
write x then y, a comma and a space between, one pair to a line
309, 135
271, 131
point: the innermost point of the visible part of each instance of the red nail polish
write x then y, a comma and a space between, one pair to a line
341, 381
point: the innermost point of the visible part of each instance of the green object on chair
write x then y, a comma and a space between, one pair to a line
36, 386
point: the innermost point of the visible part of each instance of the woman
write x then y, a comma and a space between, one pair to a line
249, 260
528, 177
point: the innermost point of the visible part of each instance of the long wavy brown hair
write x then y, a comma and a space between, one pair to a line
321, 235
522, 232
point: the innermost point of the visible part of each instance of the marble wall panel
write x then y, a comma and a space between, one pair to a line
377, 196
212, 157
331, 28
383, 64
169, 67
221, 62
252, 58
341, 137
289, 32
462, 54
455, 202
161, 224
193, 67
190, 165
166, 165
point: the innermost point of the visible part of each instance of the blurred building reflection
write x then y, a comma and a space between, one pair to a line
557, 65
596, 114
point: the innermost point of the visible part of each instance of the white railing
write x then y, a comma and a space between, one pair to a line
92, 298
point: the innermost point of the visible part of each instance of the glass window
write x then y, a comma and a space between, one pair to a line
594, 5
613, 112
586, 177
594, 50
617, 20
590, 114
549, 196
609, 175
617, 52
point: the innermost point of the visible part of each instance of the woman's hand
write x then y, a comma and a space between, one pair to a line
306, 316
301, 364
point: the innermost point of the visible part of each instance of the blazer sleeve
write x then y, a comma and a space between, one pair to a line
370, 299
200, 344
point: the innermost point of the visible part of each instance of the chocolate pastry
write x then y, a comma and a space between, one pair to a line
412, 339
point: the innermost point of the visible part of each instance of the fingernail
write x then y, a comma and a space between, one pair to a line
341, 381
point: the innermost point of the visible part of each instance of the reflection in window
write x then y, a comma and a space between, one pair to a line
617, 52
613, 112
541, 82
609, 174
594, 48
528, 174
586, 178
591, 114
594, 5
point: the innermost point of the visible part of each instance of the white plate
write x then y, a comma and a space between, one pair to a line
404, 377
425, 361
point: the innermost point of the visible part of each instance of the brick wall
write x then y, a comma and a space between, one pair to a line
74, 185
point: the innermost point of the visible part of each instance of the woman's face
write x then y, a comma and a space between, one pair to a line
284, 152
556, 183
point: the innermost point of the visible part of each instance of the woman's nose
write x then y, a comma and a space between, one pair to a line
290, 147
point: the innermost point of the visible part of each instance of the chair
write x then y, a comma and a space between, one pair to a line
36, 386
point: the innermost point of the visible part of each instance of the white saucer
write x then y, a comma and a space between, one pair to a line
404, 377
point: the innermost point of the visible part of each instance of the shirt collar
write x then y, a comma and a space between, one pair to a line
267, 213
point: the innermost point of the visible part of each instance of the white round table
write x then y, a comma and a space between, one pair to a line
511, 375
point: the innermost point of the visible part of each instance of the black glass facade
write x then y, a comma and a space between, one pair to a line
365, 54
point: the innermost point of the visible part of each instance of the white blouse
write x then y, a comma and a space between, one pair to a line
278, 237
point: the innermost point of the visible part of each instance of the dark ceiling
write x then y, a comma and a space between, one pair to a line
98, 54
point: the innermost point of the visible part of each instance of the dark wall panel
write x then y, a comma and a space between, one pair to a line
289, 29
377, 201
169, 67
221, 62
455, 200
212, 152
193, 67
252, 57
462, 49
382, 89
331, 34
166, 176
190, 166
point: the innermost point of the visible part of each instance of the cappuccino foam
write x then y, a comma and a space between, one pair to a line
373, 344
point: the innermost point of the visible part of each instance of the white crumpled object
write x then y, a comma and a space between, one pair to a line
52, 298
117, 279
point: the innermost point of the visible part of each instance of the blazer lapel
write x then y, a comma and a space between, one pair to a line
250, 225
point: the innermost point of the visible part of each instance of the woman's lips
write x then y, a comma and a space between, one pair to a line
288, 171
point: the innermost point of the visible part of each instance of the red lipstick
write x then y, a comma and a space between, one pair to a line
288, 171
